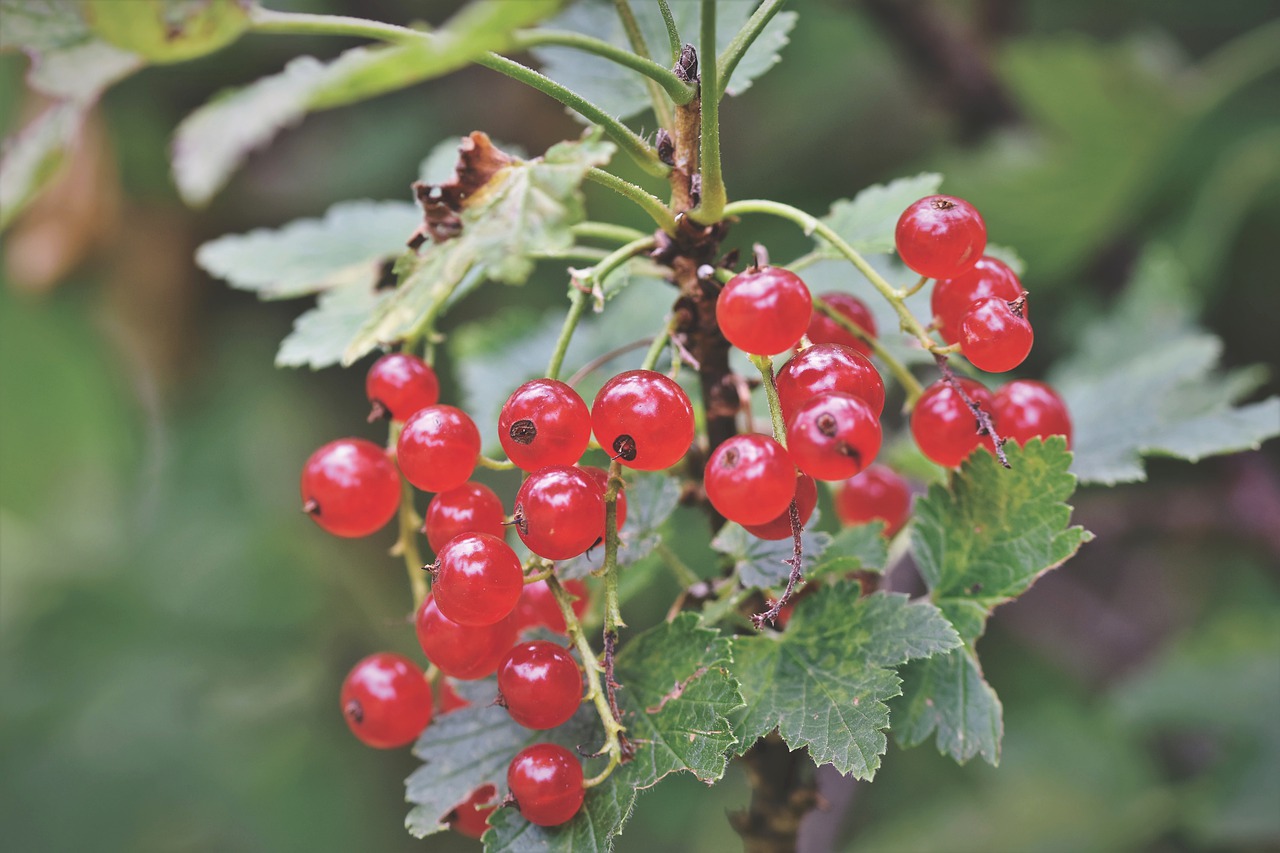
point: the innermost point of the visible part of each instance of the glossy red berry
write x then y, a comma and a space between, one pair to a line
1026, 408
540, 684
350, 487
601, 476
876, 493
833, 436
544, 423
546, 782
824, 330
559, 512
995, 336
944, 427
459, 651
952, 296
470, 508
386, 700
471, 816
447, 699
438, 447
537, 607
764, 311
750, 479
940, 236
828, 367
399, 384
478, 580
644, 419
780, 527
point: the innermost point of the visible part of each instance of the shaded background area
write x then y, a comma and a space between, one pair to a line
173, 631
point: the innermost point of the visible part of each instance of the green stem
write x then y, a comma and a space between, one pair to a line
683, 574
899, 370
750, 31
408, 524
606, 231
765, 365
660, 341
648, 202
299, 23
661, 109
657, 78
710, 208
673, 35
495, 464
915, 288
609, 568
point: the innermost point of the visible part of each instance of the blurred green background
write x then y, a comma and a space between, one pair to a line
173, 631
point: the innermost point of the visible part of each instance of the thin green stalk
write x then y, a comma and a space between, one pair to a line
609, 567
648, 202
606, 231
710, 208
495, 464
659, 344
765, 365
673, 35
581, 253
915, 288
683, 574
299, 23
750, 31
661, 109
899, 370
409, 523
660, 80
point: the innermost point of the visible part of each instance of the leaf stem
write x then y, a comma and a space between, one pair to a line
301, 23
606, 231
710, 207
495, 464
765, 365
661, 109
648, 202
683, 574
899, 370
673, 34
409, 522
659, 344
745, 37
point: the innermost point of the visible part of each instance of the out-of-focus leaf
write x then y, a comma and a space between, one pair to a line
867, 221
320, 335
34, 156
167, 30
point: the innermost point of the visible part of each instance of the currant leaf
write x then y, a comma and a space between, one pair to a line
867, 221
760, 562
651, 499
861, 548
604, 811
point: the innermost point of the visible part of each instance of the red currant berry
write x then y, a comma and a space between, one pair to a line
601, 476
438, 448
559, 512
828, 367
644, 419
952, 296
398, 384
386, 700
944, 428
459, 651
764, 311
539, 684
824, 330
537, 607
877, 492
447, 699
780, 527
940, 236
1026, 408
350, 487
546, 782
833, 436
544, 423
478, 580
750, 479
995, 336
471, 816
470, 508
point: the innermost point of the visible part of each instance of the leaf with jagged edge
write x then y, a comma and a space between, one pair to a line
860, 548
761, 562
320, 335
867, 221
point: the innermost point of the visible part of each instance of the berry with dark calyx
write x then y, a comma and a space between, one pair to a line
878, 492
824, 330
833, 436
478, 580
350, 487
780, 528
386, 700
399, 384
940, 236
1025, 408
995, 335
540, 685
828, 367
544, 422
944, 427
471, 816
750, 479
470, 508
559, 512
537, 607
952, 297
545, 780
438, 447
644, 419
462, 652
601, 476
764, 310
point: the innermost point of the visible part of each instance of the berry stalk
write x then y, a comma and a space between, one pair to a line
899, 370
406, 544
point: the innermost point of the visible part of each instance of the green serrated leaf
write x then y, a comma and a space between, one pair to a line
605, 809
320, 335
763, 53
867, 221
761, 563
859, 548
947, 695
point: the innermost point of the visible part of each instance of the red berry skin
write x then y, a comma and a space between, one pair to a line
994, 335
833, 436
940, 236
470, 508
828, 367
559, 512
944, 428
601, 476
546, 781
447, 699
544, 423
386, 701
462, 652
644, 419
750, 479
350, 487
471, 816
1025, 409
399, 384
780, 528
540, 684
764, 311
824, 330
952, 297
877, 492
537, 607
478, 580
438, 447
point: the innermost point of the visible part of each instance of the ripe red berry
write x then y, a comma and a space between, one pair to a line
471, 816
386, 700
780, 528
833, 436
877, 492
447, 699
546, 782
1026, 408
940, 236
438, 447
537, 607
750, 479
540, 685
559, 512
995, 336
459, 651
944, 428
478, 580
544, 423
828, 367
350, 487
952, 296
399, 384
601, 476
824, 330
644, 419
765, 310
470, 508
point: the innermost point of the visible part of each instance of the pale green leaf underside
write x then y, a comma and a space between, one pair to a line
760, 562
320, 335
34, 155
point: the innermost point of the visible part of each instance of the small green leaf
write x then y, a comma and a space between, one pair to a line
947, 694
763, 53
761, 562
167, 30
320, 335
859, 548
867, 222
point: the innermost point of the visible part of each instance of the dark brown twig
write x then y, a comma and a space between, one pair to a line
796, 562
985, 425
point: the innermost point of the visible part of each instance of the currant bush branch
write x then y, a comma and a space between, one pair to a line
710, 207
673, 35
